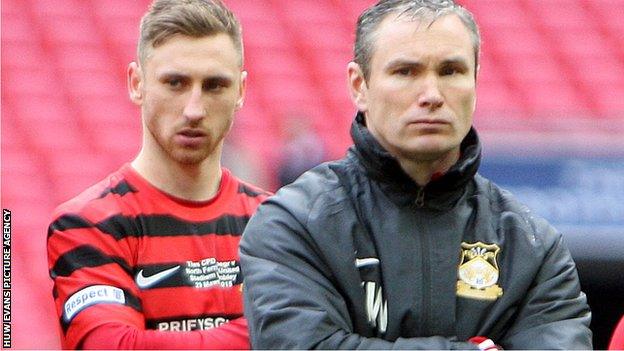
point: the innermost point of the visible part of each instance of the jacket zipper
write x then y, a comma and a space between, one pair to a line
426, 295
420, 198
426, 270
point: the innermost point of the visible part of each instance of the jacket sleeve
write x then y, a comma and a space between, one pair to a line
290, 300
554, 313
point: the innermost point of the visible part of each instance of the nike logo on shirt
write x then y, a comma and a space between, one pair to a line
144, 282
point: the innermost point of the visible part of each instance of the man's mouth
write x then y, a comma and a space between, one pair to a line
192, 133
191, 137
428, 120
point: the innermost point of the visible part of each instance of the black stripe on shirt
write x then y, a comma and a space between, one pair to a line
84, 256
121, 227
164, 225
118, 226
68, 221
131, 301
120, 189
244, 189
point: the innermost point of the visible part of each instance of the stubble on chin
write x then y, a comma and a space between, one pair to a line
189, 156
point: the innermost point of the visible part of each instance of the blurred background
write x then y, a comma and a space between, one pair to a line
550, 114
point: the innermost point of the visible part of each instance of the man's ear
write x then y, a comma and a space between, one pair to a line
357, 86
135, 83
242, 90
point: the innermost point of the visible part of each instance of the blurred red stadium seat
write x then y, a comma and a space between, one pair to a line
119, 9
281, 63
609, 99
23, 82
497, 13
555, 100
509, 41
17, 28
65, 8
608, 11
560, 15
349, 11
586, 43
266, 36
22, 55
77, 30
84, 58
309, 13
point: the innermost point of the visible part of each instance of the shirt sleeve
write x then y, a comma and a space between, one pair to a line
98, 302
290, 301
92, 276
229, 336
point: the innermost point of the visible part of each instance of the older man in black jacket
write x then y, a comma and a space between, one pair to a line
402, 244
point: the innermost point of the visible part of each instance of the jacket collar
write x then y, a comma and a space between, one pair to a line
400, 188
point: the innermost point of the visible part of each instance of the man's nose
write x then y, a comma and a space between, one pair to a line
430, 96
194, 108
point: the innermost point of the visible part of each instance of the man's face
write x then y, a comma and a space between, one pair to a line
188, 89
420, 95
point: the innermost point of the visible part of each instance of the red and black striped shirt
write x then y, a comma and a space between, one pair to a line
126, 252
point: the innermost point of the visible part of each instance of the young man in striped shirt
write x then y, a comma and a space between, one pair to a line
148, 257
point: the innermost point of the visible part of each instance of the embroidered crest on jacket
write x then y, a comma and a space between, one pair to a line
478, 271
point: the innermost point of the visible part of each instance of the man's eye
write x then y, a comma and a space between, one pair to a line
449, 71
174, 83
403, 71
215, 85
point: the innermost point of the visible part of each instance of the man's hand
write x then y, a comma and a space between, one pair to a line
484, 343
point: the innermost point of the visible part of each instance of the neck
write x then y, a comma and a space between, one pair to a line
421, 171
195, 182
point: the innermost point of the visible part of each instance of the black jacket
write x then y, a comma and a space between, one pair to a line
354, 254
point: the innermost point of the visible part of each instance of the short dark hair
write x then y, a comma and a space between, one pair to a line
194, 18
369, 21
